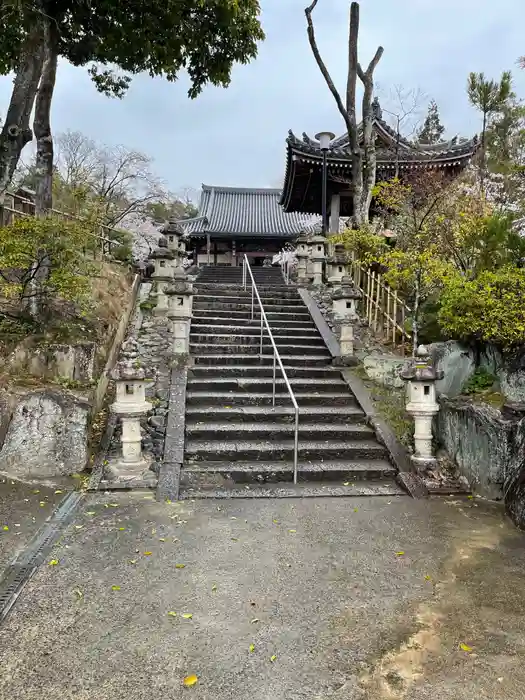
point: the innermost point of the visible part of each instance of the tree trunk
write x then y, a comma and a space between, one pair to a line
42, 125
16, 132
358, 216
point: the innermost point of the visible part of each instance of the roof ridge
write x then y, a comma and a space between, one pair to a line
242, 190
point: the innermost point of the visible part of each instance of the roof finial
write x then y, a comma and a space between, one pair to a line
377, 112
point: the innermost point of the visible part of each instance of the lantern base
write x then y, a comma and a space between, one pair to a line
423, 464
123, 472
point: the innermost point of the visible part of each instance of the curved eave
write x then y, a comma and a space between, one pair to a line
404, 164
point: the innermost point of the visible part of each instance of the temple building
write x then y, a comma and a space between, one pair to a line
395, 156
234, 221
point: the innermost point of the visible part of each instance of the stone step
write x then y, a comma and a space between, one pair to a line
261, 371
278, 414
272, 316
273, 450
238, 340
229, 430
245, 298
241, 398
211, 359
268, 472
305, 489
260, 385
252, 322
283, 292
253, 349
209, 327
220, 305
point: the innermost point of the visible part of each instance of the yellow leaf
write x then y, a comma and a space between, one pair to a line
273, 658
78, 593
154, 531
252, 647
355, 510
465, 647
53, 562
122, 528
90, 512
42, 504
162, 539
187, 616
6, 528
428, 578
399, 554
346, 483
190, 680
227, 407
235, 539
292, 530
180, 566
168, 501
214, 587
470, 497
113, 505
276, 522
172, 613
36, 490
78, 527
255, 619
115, 588
148, 554
132, 561
147, 498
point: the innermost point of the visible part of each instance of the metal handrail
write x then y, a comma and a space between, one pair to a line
276, 357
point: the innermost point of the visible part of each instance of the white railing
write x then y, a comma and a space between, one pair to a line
247, 272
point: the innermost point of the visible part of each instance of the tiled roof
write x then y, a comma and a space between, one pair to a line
247, 211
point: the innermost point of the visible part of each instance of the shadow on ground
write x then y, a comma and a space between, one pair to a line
367, 598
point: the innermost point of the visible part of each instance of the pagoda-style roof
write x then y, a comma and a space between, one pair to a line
246, 212
302, 182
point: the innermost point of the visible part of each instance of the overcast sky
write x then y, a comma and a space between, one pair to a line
237, 136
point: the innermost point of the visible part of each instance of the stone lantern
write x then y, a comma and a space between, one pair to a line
336, 265
180, 295
130, 406
421, 377
162, 275
318, 256
344, 301
302, 255
174, 234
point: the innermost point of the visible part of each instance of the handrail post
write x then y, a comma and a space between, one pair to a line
244, 274
253, 292
296, 444
274, 367
261, 345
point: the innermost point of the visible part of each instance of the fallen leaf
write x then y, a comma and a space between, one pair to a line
465, 647
115, 588
187, 616
355, 510
132, 561
470, 497
180, 566
233, 517
172, 613
399, 554
227, 407
147, 498
53, 562
122, 528
59, 491
273, 658
255, 619
6, 528
190, 680
168, 501
214, 587
252, 647
42, 503
154, 531
162, 539
276, 522
428, 578
292, 530
78, 527
346, 483
148, 554
90, 512
113, 505
36, 490
78, 593
235, 539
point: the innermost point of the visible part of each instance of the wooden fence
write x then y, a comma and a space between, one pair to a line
16, 206
383, 308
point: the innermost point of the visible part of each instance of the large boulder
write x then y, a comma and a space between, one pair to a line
47, 436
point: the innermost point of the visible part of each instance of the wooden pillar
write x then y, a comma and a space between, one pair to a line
208, 248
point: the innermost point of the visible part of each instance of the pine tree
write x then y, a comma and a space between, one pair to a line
432, 129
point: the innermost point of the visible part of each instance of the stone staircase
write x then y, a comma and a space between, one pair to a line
236, 443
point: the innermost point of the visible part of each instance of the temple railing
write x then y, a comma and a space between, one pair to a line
383, 308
